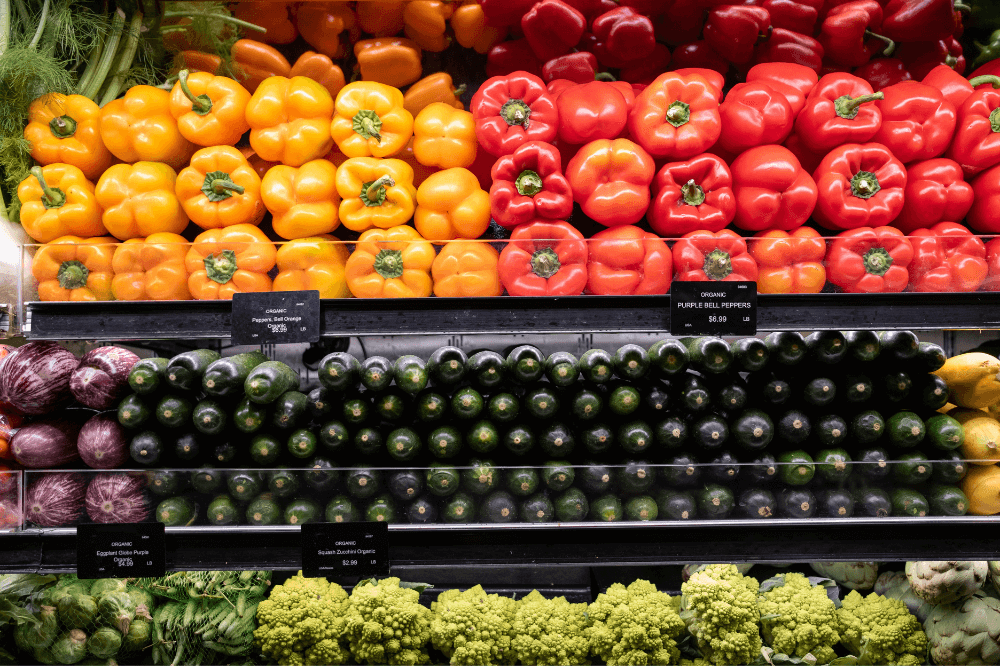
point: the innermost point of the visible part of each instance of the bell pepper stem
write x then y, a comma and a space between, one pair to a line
718, 265
218, 185
865, 185
389, 263
52, 197
877, 261
545, 263
62, 127
847, 107
374, 193
200, 104
962, 7
367, 123
995, 120
985, 78
692, 194
678, 113
528, 183
890, 45
460, 90
72, 274
221, 267
515, 112
604, 76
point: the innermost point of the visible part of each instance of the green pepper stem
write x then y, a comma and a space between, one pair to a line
515, 112
604, 76
459, 91
389, 263
373, 190
367, 123
865, 185
692, 194
221, 267
718, 264
877, 261
62, 127
678, 113
72, 274
847, 107
545, 263
890, 45
985, 78
200, 104
528, 183
995, 119
218, 185
962, 7
52, 197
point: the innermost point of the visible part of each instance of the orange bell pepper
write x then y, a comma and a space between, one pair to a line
394, 61
74, 269
139, 128
375, 193
223, 262
210, 110
610, 180
58, 200
370, 120
789, 262
303, 201
220, 189
256, 61
151, 269
444, 136
469, 25
67, 129
196, 61
290, 120
320, 69
321, 24
450, 204
390, 263
466, 268
315, 263
277, 18
421, 172
437, 87
139, 200
425, 22
381, 18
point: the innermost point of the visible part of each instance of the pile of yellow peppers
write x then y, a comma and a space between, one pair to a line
145, 166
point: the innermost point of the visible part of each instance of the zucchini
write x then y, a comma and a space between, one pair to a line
769, 391
753, 429
556, 440
362, 482
558, 475
715, 501
442, 480
667, 357
224, 453
757, 503
522, 481
830, 430
709, 353
519, 439
827, 347
537, 509
283, 483
682, 471
561, 369
630, 362
641, 508
655, 398
695, 396
863, 345
587, 404
797, 503
947, 501
836, 503
165, 482
421, 511
367, 441
929, 357
873, 462
225, 377
764, 469
670, 433
322, 476
466, 403
571, 506
444, 442
932, 391
819, 391
339, 371
244, 484
909, 502
786, 347
899, 345
446, 366
248, 417
906, 429
723, 468
460, 508
858, 388
410, 374
146, 448
731, 396
174, 411
321, 402
596, 366
483, 437
176, 511
794, 427
751, 354
340, 509
597, 438
403, 444
796, 468
897, 385
487, 369
949, 468
391, 405
146, 376
376, 373
289, 410
333, 435
912, 468
503, 407
184, 371
525, 364
541, 402
302, 443
872, 502
595, 478
133, 412
606, 509
187, 447
833, 465
356, 410
265, 450
499, 507
269, 380
634, 477
676, 505
431, 406
263, 510
867, 427
301, 511
635, 437
381, 510
710, 432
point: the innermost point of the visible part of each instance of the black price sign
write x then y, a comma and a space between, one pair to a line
124, 550
275, 317
345, 549
713, 308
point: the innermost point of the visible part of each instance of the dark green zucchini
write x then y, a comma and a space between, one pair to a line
146, 448
676, 505
245, 484
362, 482
356, 409
522, 481
321, 402
757, 503
872, 502
929, 357
595, 478
421, 510
541, 402
571, 506
587, 404
376, 373
819, 391
263, 510
635, 477
442, 480
367, 441
715, 501
793, 428
334, 436
339, 371
912, 468
499, 507
381, 510
635, 437
750, 354
561, 369
248, 417
695, 395
597, 438
763, 469
905, 429
460, 508
173, 410
828, 347
641, 508
833, 465
226, 376
681, 471
322, 476
606, 509
483, 436
133, 412
786, 347
176, 512
301, 443
897, 385
949, 467
224, 453
857, 388
283, 483
753, 429
290, 410
873, 462
709, 432
301, 511
655, 398
667, 357
187, 447
867, 427
446, 366
391, 405
431, 406
269, 380
931, 391
558, 475
901, 346
909, 502
709, 354
830, 430
731, 396
769, 391
481, 477
863, 345
403, 444
556, 439
146, 376
596, 366
340, 509
947, 501
836, 503
630, 362
164, 482
525, 364
723, 468
519, 439
265, 450
671, 433
486, 369
184, 371
503, 407
410, 373
537, 509
466, 403
444, 442
797, 503
796, 468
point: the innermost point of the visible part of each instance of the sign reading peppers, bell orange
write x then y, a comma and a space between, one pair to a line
222, 262
151, 269
290, 120
140, 200
370, 120
375, 193
67, 129
220, 189
303, 201
74, 269
58, 200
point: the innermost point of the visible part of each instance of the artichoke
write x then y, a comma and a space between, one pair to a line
77, 611
965, 633
70, 648
946, 582
894, 584
104, 642
852, 575
117, 610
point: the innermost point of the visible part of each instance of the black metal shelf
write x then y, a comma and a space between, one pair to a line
567, 314
561, 545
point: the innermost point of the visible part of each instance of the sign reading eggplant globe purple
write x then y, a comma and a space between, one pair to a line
713, 308
275, 317
121, 550
345, 549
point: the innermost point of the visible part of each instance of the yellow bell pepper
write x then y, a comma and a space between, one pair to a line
444, 136
390, 263
375, 193
303, 201
67, 129
220, 189
210, 110
223, 262
139, 128
467, 268
75, 269
450, 204
58, 200
140, 200
316, 263
290, 120
151, 269
370, 120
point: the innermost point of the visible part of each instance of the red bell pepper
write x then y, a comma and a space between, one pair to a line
984, 216
849, 30
610, 180
714, 77
733, 30
529, 184
627, 260
622, 36
883, 72
578, 67
704, 256
793, 81
789, 263
588, 111
917, 121
869, 260
977, 136
647, 69
692, 195
552, 28
772, 190
918, 20
754, 114
859, 186
591, 9
501, 13
921, 57
992, 282
796, 15
955, 87
791, 47
838, 111
511, 110
676, 116
935, 192
513, 56
807, 158
946, 257
544, 259
699, 55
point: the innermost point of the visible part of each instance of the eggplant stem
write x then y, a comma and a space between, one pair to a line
107, 56
124, 61
41, 26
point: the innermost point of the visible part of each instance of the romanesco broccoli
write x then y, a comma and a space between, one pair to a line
550, 632
720, 610
302, 622
634, 626
798, 618
386, 624
883, 629
473, 628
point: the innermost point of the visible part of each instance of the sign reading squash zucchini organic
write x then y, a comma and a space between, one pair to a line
275, 317
713, 308
121, 550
